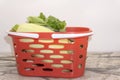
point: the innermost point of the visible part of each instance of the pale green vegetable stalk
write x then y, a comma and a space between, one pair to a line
30, 27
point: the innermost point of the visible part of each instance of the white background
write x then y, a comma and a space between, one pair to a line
102, 16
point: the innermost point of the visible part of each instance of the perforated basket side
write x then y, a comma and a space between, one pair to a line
45, 56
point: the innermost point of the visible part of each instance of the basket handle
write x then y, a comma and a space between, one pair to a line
73, 35
56, 35
30, 35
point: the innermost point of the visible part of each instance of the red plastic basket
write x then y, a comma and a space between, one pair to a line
52, 54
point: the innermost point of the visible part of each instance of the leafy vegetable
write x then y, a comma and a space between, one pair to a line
50, 22
14, 28
55, 24
38, 22
42, 16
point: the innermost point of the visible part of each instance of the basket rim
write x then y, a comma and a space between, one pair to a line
69, 31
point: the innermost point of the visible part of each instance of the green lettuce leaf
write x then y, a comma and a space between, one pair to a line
50, 22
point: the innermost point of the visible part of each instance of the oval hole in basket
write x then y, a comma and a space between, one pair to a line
47, 61
46, 40
29, 69
38, 55
46, 51
63, 41
47, 69
81, 46
80, 66
16, 55
38, 65
15, 45
66, 41
27, 50
28, 60
56, 56
81, 56
26, 40
66, 70
66, 51
36, 46
66, 61
56, 46
57, 65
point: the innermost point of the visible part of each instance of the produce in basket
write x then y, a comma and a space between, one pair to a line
40, 23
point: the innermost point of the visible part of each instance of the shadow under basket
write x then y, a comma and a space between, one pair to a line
57, 54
